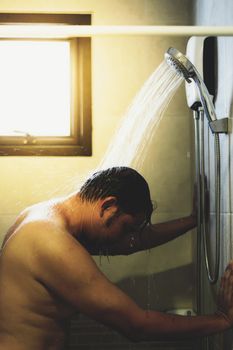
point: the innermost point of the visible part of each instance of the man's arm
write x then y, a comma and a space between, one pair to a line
153, 235
66, 268
156, 234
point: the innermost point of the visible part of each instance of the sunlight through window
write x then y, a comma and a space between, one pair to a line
35, 88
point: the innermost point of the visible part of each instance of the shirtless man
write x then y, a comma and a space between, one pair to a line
47, 272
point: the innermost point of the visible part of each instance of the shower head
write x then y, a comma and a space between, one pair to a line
183, 67
180, 63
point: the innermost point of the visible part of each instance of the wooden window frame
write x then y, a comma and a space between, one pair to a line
79, 142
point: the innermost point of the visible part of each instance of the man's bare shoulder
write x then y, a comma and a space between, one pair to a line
36, 234
32, 220
43, 249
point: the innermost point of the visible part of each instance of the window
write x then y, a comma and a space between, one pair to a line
45, 91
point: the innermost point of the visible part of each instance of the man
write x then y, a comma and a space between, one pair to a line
47, 272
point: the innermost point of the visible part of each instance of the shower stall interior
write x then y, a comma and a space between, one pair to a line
199, 69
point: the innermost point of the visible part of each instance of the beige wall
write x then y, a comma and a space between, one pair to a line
120, 65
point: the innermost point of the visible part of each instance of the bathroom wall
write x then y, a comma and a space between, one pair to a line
120, 65
219, 13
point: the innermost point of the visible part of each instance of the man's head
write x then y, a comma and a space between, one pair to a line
126, 185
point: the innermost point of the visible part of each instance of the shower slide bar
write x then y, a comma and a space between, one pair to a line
68, 31
203, 223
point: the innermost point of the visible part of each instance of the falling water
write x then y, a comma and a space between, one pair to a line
138, 125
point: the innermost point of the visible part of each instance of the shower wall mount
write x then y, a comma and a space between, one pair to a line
220, 125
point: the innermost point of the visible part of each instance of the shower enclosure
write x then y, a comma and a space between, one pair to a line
200, 121
210, 130
211, 240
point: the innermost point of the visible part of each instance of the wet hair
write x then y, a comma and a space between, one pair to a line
126, 184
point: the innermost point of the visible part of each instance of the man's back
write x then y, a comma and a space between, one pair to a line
32, 316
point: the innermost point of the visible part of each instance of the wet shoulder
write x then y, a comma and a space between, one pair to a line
14, 227
32, 219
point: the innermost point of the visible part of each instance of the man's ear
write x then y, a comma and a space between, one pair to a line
109, 204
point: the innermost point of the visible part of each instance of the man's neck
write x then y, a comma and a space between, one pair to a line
76, 215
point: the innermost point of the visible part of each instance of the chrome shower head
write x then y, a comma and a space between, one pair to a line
183, 67
180, 63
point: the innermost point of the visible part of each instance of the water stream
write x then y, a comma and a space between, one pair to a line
138, 125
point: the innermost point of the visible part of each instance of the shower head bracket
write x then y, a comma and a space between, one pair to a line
219, 125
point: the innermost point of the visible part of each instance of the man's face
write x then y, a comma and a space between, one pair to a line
121, 224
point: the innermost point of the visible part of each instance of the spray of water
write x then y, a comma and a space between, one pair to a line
138, 125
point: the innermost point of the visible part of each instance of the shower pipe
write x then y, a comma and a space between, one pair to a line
196, 116
70, 31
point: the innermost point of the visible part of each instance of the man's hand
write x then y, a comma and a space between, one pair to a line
225, 296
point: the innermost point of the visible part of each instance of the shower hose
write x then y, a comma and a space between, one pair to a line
203, 226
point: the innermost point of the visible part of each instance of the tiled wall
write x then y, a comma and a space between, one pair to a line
220, 13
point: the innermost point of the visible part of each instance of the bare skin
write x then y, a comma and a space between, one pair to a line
47, 273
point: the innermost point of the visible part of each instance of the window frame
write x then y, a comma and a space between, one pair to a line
79, 142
